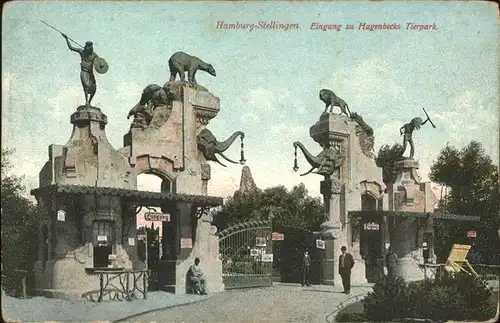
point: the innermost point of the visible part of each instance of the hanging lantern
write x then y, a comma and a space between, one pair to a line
242, 159
295, 165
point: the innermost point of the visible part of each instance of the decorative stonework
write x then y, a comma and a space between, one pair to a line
86, 114
205, 172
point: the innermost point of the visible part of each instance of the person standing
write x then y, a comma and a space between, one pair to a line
346, 262
391, 259
306, 267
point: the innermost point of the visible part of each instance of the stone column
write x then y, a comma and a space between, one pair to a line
408, 194
331, 189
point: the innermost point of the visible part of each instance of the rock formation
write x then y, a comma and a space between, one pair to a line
247, 184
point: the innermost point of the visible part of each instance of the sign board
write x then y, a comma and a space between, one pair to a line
471, 234
320, 244
276, 236
131, 241
61, 215
186, 243
371, 226
260, 241
459, 252
254, 252
141, 237
157, 216
102, 238
268, 257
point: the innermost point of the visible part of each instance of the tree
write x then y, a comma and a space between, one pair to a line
19, 226
292, 208
386, 158
472, 181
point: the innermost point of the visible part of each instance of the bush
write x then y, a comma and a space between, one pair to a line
462, 297
468, 297
390, 299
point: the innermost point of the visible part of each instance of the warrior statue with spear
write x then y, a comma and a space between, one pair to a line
89, 61
407, 131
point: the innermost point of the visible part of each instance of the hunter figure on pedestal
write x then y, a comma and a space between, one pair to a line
90, 60
407, 131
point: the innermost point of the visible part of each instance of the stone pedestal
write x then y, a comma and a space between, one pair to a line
87, 159
332, 230
409, 194
167, 147
358, 177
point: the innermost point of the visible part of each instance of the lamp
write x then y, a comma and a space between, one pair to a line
242, 159
295, 165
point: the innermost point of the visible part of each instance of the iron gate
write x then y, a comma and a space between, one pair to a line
246, 254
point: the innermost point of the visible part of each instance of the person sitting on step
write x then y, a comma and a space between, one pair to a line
196, 278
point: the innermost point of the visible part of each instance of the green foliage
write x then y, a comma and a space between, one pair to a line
292, 208
391, 298
19, 227
386, 158
472, 182
462, 297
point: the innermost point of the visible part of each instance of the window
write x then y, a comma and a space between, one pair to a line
103, 242
103, 233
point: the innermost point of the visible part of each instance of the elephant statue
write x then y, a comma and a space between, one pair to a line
209, 146
326, 162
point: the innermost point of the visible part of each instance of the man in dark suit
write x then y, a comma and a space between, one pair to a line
346, 262
306, 267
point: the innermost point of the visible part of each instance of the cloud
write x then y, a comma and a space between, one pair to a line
68, 97
250, 118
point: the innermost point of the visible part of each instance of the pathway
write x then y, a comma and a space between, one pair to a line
280, 303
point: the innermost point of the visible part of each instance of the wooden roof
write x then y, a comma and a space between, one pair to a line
443, 216
128, 194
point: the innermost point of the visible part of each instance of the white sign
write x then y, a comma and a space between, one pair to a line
268, 257
61, 215
320, 244
102, 238
371, 226
111, 257
260, 242
186, 243
278, 236
471, 234
141, 237
254, 252
131, 241
157, 216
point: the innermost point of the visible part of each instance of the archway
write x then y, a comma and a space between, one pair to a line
289, 252
371, 238
152, 249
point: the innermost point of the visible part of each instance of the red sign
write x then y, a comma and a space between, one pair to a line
471, 234
278, 236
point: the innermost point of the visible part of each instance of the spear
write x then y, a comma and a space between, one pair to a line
61, 33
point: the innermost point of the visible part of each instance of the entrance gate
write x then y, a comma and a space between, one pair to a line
246, 254
289, 253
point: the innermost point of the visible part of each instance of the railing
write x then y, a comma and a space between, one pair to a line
117, 283
24, 273
487, 270
330, 318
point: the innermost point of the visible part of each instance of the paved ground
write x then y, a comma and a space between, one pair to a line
39, 309
280, 303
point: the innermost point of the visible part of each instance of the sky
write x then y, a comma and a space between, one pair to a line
267, 80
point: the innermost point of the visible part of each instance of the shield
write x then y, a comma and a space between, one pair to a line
100, 65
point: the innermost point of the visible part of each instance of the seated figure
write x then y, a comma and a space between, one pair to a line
196, 279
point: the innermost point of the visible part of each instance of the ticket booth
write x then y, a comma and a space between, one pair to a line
103, 243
